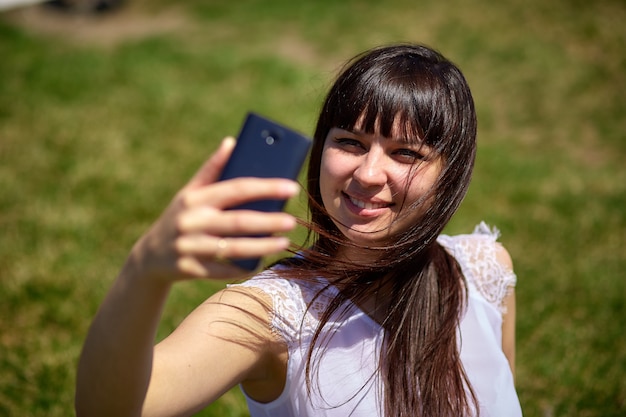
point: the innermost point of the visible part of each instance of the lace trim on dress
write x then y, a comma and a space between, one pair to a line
477, 255
290, 317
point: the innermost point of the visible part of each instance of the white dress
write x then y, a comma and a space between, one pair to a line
345, 381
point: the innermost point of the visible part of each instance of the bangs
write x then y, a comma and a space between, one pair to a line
393, 102
390, 111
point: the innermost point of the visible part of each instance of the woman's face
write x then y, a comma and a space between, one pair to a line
369, 183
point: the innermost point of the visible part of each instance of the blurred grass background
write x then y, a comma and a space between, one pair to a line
103, 118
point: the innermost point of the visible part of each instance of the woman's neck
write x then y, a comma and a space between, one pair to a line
375, 298
376, 305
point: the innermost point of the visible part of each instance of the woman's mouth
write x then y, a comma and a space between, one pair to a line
366, 205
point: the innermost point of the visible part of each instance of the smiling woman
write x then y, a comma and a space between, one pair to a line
364, 321
391, 161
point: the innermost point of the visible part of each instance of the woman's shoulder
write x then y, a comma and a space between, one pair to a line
285, 294
290, 299
481, 243
485, 262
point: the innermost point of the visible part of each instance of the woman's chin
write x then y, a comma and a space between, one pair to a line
366, 237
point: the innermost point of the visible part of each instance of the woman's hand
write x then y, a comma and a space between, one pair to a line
196, 235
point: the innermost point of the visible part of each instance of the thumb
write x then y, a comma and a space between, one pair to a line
212, 168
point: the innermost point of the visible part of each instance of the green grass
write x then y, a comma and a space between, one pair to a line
96, 137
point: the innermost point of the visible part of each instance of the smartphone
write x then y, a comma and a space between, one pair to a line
265, 149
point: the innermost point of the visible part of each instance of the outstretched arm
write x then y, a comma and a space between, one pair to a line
227, 340
188, 241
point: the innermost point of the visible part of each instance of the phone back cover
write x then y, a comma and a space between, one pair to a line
255, 156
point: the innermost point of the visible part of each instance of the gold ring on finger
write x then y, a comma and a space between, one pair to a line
222, 244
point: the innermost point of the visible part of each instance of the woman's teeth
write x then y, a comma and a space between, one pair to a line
366, 205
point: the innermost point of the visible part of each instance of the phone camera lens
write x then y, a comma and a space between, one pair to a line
270, 138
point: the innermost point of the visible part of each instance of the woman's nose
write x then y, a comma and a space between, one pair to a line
371, 170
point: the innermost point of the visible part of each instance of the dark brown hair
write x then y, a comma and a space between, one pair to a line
416, 88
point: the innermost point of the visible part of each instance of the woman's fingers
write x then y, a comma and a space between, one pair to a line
219, 248
230, 193
196, 233
233, 223
194, 267
205, 256
212, 168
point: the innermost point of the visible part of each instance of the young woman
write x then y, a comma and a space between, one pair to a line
379, 314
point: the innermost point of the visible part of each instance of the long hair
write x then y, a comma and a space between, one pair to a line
416, 88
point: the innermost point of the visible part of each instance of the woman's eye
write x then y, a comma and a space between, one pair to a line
348, 143
409, 155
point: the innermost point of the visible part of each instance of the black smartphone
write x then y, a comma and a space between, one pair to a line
265, 149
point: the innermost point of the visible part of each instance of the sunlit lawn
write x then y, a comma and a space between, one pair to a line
101, 124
